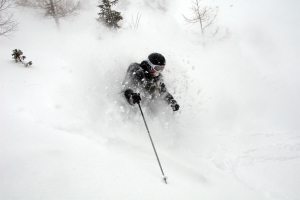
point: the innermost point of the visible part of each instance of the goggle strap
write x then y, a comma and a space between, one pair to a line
150, 63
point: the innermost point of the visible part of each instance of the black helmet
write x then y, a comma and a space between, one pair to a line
157, 59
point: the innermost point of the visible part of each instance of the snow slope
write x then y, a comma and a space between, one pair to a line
64, 134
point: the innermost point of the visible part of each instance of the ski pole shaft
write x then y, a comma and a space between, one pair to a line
165, 179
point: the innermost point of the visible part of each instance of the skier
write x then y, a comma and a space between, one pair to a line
146, 80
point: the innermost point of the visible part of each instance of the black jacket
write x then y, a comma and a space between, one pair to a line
139, 80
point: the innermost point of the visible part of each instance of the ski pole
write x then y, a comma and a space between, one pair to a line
164, 177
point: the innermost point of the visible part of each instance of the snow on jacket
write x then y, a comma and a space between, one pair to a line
139, 80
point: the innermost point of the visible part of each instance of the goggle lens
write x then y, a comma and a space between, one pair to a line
159, 67
155, 68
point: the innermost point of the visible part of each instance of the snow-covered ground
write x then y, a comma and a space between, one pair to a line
63, 134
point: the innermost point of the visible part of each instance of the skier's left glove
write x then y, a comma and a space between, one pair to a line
174, 105
136, 98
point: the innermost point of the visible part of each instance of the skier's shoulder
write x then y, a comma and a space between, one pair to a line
136, 70
134, 67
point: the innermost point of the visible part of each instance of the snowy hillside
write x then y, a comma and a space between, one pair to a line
64, 135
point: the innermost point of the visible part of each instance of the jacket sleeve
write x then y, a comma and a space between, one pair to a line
165, 94
133, 79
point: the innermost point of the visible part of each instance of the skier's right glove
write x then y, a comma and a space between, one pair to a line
174, 105
136, 98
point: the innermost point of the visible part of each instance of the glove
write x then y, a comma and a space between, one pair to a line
136, 98
174, 105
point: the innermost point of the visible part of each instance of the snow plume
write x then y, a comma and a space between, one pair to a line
67, 132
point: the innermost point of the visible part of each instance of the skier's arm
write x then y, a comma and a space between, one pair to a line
133, 78
168, 97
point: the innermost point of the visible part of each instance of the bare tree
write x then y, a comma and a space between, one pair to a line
7, 25
53, 9
206, 17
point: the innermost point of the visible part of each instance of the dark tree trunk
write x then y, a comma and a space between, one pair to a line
54, 14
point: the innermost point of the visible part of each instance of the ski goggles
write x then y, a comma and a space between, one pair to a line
156, 68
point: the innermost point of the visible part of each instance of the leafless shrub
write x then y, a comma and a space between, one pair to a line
53, 9
206, 17
135, 21
7, 24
